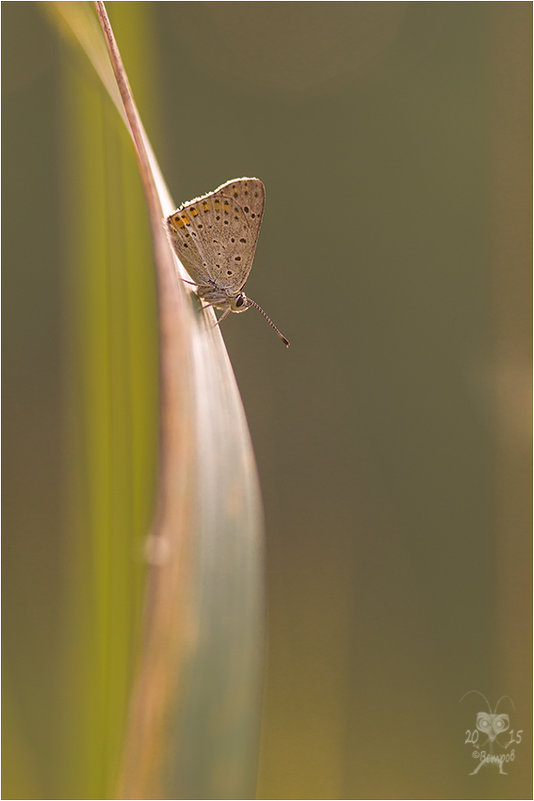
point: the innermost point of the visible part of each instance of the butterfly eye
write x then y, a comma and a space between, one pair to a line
239, 301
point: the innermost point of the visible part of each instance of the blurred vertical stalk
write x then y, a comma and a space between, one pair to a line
111, 399
511, 207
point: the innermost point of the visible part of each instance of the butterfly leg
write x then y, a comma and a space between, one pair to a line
209, 305
223, 316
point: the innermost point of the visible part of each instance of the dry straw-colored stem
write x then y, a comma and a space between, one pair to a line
165, 617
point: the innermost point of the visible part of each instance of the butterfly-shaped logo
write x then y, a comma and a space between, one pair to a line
492, 725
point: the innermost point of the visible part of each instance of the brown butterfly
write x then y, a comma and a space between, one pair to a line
215, 238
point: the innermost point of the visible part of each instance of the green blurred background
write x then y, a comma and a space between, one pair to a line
393, 439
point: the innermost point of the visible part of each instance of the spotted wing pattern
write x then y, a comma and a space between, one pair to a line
215, 235
249, 193
185, 246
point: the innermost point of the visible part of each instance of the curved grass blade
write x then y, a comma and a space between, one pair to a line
194, 718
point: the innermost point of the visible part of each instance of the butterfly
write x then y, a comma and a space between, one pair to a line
215, 238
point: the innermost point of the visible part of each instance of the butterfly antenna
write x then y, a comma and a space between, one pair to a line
282, 337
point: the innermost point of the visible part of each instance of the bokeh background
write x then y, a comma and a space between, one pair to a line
393, 439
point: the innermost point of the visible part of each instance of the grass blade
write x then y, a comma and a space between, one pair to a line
194, 713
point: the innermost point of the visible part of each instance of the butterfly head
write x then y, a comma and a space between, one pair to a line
240, 303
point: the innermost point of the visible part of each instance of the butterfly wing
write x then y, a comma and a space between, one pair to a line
215, 235
185, 246
249, 194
